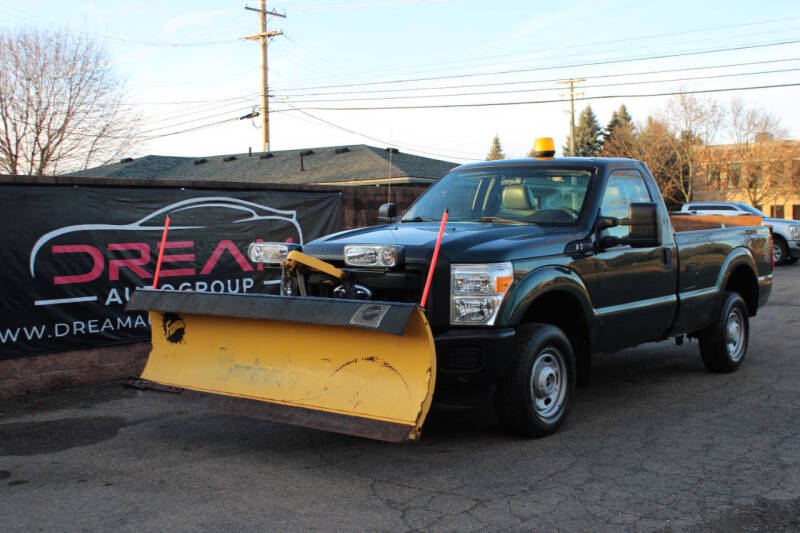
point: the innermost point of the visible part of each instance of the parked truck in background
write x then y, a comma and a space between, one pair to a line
786, 233
543, 263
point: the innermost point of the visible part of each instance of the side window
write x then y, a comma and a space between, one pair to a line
624, 187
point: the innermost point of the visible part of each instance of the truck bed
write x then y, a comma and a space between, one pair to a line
706, 245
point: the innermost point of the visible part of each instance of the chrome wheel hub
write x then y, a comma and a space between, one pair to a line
734, 335
776, 253
548, 382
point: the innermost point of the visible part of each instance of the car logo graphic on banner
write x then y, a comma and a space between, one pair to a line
236, 211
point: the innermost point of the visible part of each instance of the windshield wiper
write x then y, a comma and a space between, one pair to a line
501, 219
420, 219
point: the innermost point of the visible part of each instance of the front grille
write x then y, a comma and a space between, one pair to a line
389, 286
404, 285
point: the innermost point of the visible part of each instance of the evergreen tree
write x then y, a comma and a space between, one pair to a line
588, 135
496, 151
619, 118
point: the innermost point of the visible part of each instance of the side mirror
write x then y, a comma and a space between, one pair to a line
387, 213
643, 221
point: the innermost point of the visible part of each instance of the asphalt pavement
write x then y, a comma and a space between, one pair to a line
656, 443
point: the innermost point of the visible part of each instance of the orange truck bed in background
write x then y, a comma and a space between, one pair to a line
696, 222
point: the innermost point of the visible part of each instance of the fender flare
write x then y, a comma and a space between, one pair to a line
738, 256
539, 282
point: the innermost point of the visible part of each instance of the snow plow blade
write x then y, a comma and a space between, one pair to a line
351, 366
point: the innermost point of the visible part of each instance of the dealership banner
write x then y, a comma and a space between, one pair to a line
72, 255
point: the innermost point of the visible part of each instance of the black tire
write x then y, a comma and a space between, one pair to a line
780, 250
541, 353
723, 345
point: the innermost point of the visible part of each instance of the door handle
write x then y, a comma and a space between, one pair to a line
666, 258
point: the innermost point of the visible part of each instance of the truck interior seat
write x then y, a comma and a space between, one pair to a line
516, 202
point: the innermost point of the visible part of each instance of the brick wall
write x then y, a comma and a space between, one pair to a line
361, 203
42, 373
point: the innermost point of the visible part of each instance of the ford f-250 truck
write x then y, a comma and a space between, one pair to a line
546, 262
543, 262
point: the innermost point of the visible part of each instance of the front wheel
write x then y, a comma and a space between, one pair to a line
535, 396
723, 345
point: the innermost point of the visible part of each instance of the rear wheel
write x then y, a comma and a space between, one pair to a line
780, 250
535, 396
723, 345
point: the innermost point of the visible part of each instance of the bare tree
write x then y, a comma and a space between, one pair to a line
660, 149
759, 154
60, 104
680, 148
694, 124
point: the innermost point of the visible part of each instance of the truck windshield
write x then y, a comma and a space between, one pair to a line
523, 195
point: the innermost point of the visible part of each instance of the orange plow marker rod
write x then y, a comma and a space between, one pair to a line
161, 252
433, 260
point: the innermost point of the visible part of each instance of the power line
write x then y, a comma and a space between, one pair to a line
556, 67
365, 5
203, 126
134, 137
227, 112
545, 89
498, 104
183, 102
551, 80
589, 44
228, 76
662, 47
15, 11
382, 141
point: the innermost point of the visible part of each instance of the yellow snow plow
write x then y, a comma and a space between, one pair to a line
365, 368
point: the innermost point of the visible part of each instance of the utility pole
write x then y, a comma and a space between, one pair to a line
571, 82
263, 36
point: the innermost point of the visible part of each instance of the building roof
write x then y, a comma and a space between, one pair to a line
334, 165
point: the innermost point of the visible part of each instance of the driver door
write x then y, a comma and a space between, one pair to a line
635, 299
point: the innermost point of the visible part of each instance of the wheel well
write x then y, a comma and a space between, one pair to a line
563, 310
743, 281
778, 237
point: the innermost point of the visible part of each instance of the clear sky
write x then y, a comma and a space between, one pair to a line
372, 49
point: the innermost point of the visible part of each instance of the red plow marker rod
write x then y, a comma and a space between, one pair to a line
161, 252
433, 260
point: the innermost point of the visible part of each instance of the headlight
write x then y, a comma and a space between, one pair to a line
268, 252
367, 255
477, 292
794, 232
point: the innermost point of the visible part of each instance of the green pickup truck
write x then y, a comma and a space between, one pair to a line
543, 263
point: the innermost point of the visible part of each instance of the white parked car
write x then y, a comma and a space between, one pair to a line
786, 244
